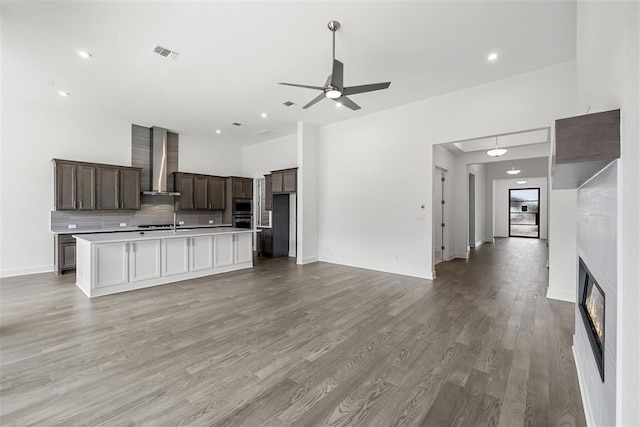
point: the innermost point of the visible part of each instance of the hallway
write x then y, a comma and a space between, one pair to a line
283, 344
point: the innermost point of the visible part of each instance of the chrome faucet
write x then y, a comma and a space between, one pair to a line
175, 215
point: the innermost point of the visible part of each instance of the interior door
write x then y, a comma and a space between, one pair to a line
524, 212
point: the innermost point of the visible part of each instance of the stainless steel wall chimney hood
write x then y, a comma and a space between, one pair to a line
159, 170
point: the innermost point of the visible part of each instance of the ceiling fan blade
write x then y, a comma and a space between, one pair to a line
347, 103
314, 100
337, 74
352, 90
304, 86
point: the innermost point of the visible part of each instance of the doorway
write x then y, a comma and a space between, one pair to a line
524, 212
472, 210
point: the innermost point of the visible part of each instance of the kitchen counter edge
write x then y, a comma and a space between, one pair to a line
129, 236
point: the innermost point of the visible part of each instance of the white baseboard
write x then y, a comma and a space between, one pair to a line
583, 393
463, 255
561, 294
422, 274
25, 271
307, 260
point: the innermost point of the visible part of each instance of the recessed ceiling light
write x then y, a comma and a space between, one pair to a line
63, 93
264, 115
521, 181
84, 54
218, 131
338, 104
492, 56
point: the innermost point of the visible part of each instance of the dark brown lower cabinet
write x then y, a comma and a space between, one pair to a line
64, 253
266, 242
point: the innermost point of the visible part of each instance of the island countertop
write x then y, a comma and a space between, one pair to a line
129, 236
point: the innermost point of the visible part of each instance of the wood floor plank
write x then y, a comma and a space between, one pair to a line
283, 344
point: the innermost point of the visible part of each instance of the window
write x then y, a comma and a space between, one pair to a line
264, 216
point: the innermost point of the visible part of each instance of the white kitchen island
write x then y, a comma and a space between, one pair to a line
108, 263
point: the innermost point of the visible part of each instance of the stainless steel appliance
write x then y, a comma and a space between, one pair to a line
242, 221
242, 207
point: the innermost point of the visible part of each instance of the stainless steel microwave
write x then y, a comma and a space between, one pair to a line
242, 207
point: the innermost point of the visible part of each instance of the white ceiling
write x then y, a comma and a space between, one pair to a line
232, 55
536, 136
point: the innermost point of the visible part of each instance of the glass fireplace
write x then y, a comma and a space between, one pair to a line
592, 309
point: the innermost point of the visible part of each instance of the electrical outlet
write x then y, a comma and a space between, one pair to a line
72, 226
123, 224
210, 221
180, 222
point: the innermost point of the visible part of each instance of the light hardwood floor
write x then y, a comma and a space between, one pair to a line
282, 344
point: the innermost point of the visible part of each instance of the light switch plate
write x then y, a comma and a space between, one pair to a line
181, 222
123, 224
72, 226
210, 221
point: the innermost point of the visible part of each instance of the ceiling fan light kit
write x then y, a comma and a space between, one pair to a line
496, 152
334, 88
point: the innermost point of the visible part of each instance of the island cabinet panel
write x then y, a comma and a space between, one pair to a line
145, 260
200, 190
201, 253
243, 248
216, 193
66, 183
112, 264
175, 256
67, 255
129, 189
108, 188
223, 250
116, 262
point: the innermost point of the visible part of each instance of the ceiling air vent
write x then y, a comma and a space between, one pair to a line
163, 51
236, 124
288, 103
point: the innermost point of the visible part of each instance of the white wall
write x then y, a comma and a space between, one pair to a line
379, 168
608, 76
480, 203
279, 153
501, 204
563, 263
307, 194
198, 155
31, 136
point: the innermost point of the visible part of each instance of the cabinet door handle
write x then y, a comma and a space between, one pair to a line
126, 248
80, 204
209, 206
133, 247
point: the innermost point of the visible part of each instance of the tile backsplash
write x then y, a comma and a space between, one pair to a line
153, 210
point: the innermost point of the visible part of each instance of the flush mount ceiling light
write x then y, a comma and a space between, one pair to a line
513, 170
84, 54
496, 152
521, 181
63, 93
492, 56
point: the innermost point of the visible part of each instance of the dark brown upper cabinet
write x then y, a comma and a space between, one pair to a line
130, 188
216, 194
268, 192
284, 181
88, 186
583, 146
241, 188
183, 183
199, 192
108, 188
